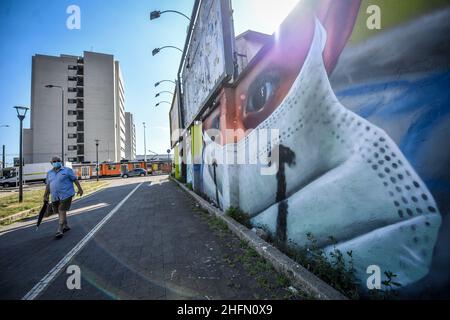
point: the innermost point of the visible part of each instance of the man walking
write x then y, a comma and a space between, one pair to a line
60, 182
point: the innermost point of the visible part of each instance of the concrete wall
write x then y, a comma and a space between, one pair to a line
100, 108
130, 137
46, 110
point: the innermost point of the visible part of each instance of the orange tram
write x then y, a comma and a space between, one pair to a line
85, 171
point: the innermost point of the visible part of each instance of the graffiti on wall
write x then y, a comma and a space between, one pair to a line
361, 119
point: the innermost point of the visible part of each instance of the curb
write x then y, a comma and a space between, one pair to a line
296, 273
23, 214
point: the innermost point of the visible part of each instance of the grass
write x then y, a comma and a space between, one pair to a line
10, 205
240, 216
242, 254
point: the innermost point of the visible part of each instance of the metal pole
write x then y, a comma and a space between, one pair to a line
96, 147
21, 162
145, 148
62, 126
3, 157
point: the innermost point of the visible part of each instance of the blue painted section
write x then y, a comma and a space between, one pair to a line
425, 103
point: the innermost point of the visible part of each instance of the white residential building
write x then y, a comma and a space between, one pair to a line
94, 108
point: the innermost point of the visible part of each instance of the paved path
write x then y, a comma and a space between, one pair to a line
157, 245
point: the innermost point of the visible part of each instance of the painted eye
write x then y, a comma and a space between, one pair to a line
262, 91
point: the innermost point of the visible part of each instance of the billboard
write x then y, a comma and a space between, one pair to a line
209, 56
174, 120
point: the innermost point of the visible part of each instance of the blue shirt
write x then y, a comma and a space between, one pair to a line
61, 183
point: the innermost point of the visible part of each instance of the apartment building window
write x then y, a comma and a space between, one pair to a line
72, 148
80, 126
72, 112
72, 124
80, 159
72, 89
80, 138
80, 149
73, 159
70, 67
71, 101
72, 78
80, 115
72, 135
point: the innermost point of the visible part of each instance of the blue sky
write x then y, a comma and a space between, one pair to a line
117, 27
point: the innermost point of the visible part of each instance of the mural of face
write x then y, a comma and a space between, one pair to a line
338, 175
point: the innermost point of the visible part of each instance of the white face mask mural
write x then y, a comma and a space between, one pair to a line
338, 176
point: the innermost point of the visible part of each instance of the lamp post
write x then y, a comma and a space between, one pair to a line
168, 161
159, 93
62, 118
157, 50
156, 14
159, 82
96, 152
145, 147
157, 105
21, 113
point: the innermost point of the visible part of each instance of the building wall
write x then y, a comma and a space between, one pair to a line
46, 106
347, 137
130, 137
93, 108
100, 119
119, 111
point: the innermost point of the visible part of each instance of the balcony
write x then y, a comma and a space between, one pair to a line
80, 115
80, 138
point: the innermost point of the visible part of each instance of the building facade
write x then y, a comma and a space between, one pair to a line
130, 137
93, 108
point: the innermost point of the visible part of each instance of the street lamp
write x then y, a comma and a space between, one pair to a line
157, 105
168, 161
21, 113
156, 14
159, 93
96, 152
62, 118
157, 50
145, 147
159, 82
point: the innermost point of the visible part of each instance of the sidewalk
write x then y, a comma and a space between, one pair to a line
161, 245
